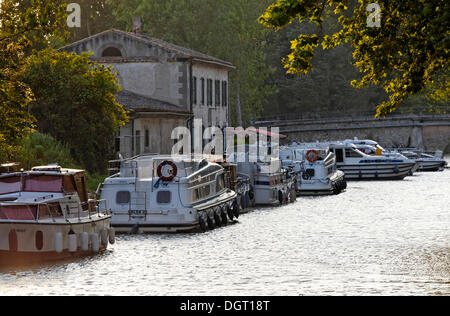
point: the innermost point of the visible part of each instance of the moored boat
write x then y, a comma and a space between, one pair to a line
45, 215
271, 184
427, 162
424, 161
166, 194
316, 169
359, 166
371, 147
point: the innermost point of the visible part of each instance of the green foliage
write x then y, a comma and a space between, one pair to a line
23, 23
404, 56
75, 103
93, 180
327, 88
40, 150
96, 16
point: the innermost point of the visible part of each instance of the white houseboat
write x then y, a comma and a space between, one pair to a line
427, 161
359, 166
316, 169
270, 183
45, 215
161, 194
371, 147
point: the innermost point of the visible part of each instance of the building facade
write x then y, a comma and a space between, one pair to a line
164, 86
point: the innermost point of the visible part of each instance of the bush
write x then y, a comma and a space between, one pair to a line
41, 150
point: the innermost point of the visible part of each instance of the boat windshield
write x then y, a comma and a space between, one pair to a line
43, 183
9, 185
31, 183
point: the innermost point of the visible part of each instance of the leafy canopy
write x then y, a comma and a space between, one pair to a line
407, 54
75, 102
22, 23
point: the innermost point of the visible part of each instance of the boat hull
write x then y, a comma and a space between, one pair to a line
315, 187
431, 166
171, 221
388, 171
23, 259
24, 243
269, 195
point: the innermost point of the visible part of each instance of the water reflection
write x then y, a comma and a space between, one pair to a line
378, 238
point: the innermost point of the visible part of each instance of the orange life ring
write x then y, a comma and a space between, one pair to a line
312, 155
173, 172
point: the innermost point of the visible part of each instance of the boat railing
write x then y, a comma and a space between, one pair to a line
49, 212
98, 206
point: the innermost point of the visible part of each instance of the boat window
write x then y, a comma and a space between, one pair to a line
123, 197
202, 192
9, 185
339, 155
19, 212
46, 211
81, 188
351, 153
220, 183
43, 183
164, 197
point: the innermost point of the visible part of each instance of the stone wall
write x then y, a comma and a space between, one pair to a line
429, 132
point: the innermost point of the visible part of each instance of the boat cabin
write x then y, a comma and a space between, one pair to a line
159, 183
37, 193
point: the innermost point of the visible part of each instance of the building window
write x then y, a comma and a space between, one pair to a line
194, 91
117, 143
112, 52
210, 117
224, 93
202, 92
147, 138
138, 142
210, 92
217, 92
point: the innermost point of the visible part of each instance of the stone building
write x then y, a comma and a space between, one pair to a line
164, 86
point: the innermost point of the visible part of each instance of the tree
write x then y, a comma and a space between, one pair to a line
21, 25
74, 101
327, 88
406, 55
226, 29
96, 16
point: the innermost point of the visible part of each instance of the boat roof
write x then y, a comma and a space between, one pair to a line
44, 170
362, 142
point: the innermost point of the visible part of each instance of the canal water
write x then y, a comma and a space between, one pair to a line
378, 238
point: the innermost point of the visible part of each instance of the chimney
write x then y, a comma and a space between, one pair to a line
137, 24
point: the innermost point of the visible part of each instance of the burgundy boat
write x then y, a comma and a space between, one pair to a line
46, 215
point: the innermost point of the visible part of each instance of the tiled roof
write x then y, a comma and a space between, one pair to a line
139, 103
